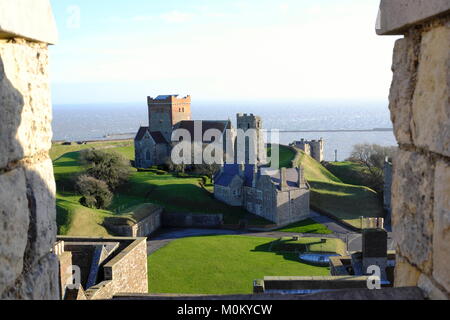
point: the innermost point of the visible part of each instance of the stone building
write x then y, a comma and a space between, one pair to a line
313, 148
169, 114
101, 267
254, 148
280, 196
151, 148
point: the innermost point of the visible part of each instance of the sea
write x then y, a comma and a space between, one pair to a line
334, 122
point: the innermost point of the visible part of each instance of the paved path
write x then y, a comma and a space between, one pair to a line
165, 236
353, 240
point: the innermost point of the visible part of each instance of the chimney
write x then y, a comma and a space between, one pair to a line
242, 169
255, 175
283, 179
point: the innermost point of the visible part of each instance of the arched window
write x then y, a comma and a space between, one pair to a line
148, 155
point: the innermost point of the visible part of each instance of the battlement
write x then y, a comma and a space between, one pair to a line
314, 148
168, 99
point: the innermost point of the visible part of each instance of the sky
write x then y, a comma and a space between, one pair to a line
122, 51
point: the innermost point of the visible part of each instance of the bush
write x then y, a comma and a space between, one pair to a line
109, 167
95, 192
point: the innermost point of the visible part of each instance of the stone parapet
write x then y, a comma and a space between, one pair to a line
397, 16
420, 111
28, 19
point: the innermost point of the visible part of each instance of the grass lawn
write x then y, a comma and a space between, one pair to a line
58, 149
306, 226
344, 201
221, 265
173, 193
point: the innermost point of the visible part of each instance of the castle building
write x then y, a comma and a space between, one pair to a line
313, 148
167, 113
280, 196
246, 122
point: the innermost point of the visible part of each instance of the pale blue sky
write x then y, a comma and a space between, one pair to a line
122, 51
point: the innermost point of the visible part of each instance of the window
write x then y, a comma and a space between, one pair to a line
259, 195
148, 156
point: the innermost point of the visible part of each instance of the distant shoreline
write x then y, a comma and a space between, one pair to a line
130, 135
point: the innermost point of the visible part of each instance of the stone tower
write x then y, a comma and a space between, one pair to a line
164, 112
246, 122
317, 149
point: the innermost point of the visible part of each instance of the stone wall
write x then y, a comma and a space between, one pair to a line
191, 220
420, 110
27, 187
142, 228
125, 273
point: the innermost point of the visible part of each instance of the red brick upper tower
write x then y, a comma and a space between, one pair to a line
164, 112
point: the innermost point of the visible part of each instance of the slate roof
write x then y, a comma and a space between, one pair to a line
156, 135
225, 177
188, 125
229, 171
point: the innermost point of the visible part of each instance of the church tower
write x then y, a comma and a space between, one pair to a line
246, 122
164, 112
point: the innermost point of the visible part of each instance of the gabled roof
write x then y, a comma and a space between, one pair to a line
291, 177
188, 125
229, 171
156, 135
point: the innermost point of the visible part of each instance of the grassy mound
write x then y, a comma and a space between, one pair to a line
331, 195
173, 193
349, 172
221, 265
306, 226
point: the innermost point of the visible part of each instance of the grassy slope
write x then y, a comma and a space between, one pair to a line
58, 150
344, 201
232, 265
175, 194
349, 172
306, 226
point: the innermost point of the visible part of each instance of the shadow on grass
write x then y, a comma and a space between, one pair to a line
288, 251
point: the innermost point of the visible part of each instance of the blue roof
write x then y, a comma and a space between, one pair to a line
229, 171
164, 97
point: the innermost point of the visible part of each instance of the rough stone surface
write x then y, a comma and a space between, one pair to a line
431, 105
405, 274
14, 222
402, 88
441, 247
412, 207
25, 124
27, 187
41, 198
396, 16
40, 282
30, 19
430, 289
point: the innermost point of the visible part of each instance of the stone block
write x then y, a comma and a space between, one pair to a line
406, 275
25, 124
412, 207
41, 190
402, 88
30, 19
430, 290
441, 236
397, 16
39, 282
431, 104
14, 221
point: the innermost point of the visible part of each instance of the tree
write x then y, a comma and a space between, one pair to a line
110, 167
95, 192
372, 157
